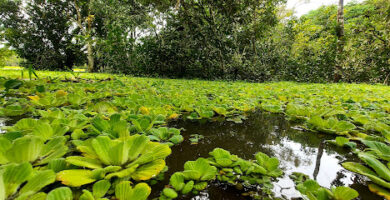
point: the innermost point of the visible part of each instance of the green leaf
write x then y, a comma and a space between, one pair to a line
170, 193
5, 144
84, 162
87, 195
58, 165
78, 134
343, 126
375, 164
123, 173
360, 169
25, 149
14, 175
43, 130
124, 191
379, 190
76, 177
2, 187
37, 182
102, 145
199, 170
381, 149
32, 149
40, 88
188, 187
176, 139
200, 186
149, 170
100, 188
12, 84
261, 158
177, 181
222, 157
258, 169
191, 174
272, 164
61, 193
104, 108
311, 185
137, 144
119, 153
38, 196
25, 125
152, 151
344, 193
53, 149
220, 111
341, 141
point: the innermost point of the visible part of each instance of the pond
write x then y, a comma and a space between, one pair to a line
298, 151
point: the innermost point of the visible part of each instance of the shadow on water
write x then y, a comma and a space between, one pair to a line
297, 151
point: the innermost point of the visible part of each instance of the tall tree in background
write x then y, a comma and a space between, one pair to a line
211, 39
203, 38
118, 27
85, 25
40, 32
340, 41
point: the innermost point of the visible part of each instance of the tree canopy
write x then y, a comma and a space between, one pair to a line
255, 40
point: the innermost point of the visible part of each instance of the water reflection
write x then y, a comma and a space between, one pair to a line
298, 151
318, 163
2, 124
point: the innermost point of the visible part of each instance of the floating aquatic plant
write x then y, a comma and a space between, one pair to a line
131, 157
311, 190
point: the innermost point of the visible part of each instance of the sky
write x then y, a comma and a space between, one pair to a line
304, 6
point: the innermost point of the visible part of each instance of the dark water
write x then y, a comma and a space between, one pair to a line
297, 151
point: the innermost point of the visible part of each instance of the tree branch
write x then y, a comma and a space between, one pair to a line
78, 20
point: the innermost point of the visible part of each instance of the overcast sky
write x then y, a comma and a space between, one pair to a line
304, 6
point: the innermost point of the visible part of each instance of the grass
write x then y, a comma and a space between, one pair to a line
21, 68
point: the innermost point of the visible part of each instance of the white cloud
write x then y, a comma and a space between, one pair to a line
304, 6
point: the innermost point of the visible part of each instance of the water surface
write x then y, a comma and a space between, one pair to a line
297, 150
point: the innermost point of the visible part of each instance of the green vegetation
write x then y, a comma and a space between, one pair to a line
90, 136
227, 168
100, 129
312, 190
230, 40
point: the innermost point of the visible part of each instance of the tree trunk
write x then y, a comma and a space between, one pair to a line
89, 45
318, 159
254, 30
90, 57
87, 33
340, 42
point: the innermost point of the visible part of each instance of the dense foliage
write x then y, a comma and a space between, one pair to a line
247, 40
41, 32
210, 40
366, 50
97, 132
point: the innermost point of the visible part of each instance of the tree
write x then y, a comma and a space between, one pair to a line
367, 43
40, 32
85, 25
340, 41
118, 24
4, 54
210, 39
